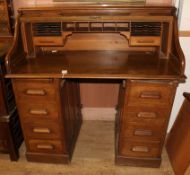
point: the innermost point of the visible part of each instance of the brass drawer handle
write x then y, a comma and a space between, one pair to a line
42, 130
140, 149
38, 112
45, 146
146, 41
40, 92
146, 115
141, 132
150, 95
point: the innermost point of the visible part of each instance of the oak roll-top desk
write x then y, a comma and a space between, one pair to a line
57, 47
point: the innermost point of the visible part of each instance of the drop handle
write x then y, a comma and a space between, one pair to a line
150, 95
38, 112
45, 146
144, 149
40, 92
42, 130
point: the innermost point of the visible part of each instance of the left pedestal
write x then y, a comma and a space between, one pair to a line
50, 116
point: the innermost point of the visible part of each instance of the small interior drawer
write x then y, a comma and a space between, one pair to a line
139, 149
48, 41
46, 146
145, 41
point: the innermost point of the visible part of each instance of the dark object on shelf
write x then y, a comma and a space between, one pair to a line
178, 142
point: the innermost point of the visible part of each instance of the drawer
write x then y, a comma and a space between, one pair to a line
140, 131
42, 130
3, 145
48, 41
145, 114
46, 146
36, 111
145, 41
145, 93
140, 149
34, 90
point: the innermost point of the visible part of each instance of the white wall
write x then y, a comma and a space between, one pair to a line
184, 25
185, 87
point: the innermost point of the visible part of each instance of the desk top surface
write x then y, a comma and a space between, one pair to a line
98, 64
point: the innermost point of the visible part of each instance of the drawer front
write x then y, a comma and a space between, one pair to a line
3, 145
48, 41
35, 90
148, 115
140, 149
42, 130
145, 41
46, 146
36, 111
144, 132
143, 93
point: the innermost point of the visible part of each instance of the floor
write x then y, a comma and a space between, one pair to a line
93, 155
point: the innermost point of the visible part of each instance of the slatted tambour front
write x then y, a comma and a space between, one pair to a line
10, 130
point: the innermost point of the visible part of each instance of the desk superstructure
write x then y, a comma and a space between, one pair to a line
56, 47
